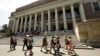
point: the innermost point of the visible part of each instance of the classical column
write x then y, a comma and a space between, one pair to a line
25, 23
49, 21
30, 23
35, 21
13, 28
17, 23
82, 13
21, 24
64, 18
10, 26
73, 16
42, 21
56, 19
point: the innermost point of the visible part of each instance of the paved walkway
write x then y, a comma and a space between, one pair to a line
4, 48
4, 51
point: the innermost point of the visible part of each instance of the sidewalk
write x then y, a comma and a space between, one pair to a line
4, 51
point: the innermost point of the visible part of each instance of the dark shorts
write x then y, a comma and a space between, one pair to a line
52, 45
66, 43
44, 44
29, 47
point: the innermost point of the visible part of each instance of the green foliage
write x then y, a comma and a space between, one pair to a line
4, 28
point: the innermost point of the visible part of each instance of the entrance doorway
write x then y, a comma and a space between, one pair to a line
61, 26
53, 28
70, 26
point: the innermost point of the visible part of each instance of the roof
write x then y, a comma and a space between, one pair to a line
34, 4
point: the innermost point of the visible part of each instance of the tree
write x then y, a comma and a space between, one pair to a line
4, 28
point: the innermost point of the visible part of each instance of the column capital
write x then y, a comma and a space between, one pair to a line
63, 6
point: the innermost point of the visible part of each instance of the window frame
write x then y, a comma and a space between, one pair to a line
93, 6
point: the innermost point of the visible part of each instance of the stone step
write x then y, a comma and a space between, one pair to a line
82, 47
70, 32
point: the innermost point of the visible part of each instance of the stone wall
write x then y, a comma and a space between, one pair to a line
89, 32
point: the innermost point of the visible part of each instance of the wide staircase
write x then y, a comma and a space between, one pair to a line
76, 42
38, 40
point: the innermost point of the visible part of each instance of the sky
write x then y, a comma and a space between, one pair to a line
8, 6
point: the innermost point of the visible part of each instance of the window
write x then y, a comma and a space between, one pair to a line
76, 11
60, 16
68, 13
53, 15
96, 6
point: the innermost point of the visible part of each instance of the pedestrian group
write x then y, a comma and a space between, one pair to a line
55, 44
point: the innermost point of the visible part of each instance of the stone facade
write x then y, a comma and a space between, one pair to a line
89, 32
54, 13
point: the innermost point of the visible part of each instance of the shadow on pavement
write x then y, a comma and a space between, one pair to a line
11, 50
30, 55
60, 54
74, 54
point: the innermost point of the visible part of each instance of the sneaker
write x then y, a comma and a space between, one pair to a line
25, 53
50, 52
31, 54
14, 48
47, 50
41, 50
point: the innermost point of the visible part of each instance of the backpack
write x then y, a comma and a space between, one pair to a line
67, 41
30, 40
54, 40
25, 40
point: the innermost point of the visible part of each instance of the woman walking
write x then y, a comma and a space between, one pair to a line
44, 43
52, 45
58, 45
25, 40
30, 45
71, 46
66, 42
15, 42
11, 42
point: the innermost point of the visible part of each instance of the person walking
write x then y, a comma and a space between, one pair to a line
44, 43
30, 45
52, 45
55, 43
71, 46
15, 42
66, 42
25, 40
11, 42
58, 45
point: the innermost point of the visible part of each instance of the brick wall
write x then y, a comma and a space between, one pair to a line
89, 11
